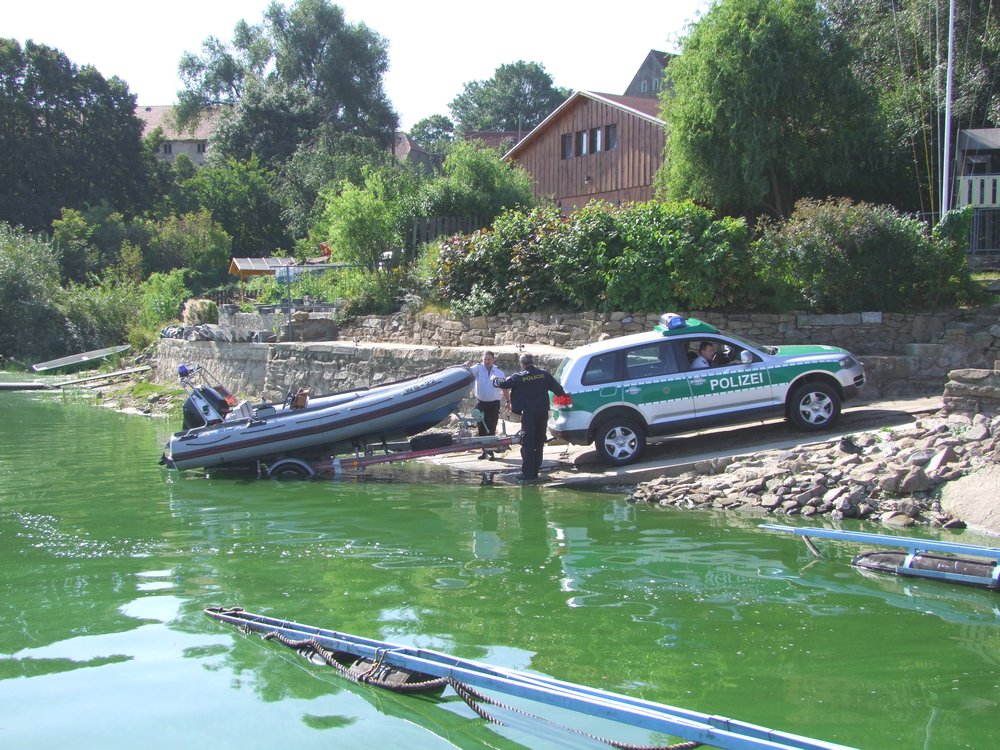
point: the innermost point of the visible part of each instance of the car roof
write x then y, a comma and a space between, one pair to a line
667, 328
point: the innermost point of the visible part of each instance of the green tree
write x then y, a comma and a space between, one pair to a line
764, 109
240, 197
435, 133
902, 53
476, 183
301, 67
329, 158
360, 224
518, 97
68, 138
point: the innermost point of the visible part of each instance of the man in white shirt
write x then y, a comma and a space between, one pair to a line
488, 396
706, 352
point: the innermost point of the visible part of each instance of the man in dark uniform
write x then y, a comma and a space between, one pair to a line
529, 395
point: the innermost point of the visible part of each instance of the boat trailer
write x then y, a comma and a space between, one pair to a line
366, 454
409, 669
966, 564
339, 466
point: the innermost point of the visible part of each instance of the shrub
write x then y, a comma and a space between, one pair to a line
653, 256
367, 292
837, 256
99, 315
29, 288
197, 311
162, 295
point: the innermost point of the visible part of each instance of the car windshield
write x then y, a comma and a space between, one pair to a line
750, 344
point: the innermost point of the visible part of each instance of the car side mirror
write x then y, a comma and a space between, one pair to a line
746, 357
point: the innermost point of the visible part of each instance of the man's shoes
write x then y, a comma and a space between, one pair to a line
482, 456
490, 454
525, 480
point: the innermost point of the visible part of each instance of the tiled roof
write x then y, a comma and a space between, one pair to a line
163, 117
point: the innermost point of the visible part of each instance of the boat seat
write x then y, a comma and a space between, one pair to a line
242, 410
301, 399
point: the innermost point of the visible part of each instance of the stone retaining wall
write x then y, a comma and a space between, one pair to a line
269, 371
972, 336
903, 354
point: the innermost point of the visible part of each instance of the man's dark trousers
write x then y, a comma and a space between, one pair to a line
533, 424
491, 415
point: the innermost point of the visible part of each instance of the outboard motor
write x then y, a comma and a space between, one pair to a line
206, 404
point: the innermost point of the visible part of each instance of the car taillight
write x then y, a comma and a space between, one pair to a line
562, 401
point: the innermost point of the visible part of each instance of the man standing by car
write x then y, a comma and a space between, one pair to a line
488, 397
529, 391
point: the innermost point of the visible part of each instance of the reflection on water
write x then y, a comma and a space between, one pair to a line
108, 560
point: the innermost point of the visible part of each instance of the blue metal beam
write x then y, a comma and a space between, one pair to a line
915, 545
715, 731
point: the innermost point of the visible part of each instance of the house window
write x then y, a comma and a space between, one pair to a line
656, 84
581, 142
610, 137
567, 146
201, 147
168, 148
644, 86
595, 140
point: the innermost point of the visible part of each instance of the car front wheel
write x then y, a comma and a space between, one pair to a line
620, 441
813, 406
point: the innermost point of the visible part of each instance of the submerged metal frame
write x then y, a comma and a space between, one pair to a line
915, 547
715, 731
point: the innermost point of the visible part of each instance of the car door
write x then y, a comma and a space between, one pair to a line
732, 386
655, 384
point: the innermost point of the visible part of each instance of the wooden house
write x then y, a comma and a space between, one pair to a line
595, 147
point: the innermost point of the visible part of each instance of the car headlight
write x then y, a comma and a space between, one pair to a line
847, 363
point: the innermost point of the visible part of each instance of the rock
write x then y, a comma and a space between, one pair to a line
897, 520
916, 480
944, 456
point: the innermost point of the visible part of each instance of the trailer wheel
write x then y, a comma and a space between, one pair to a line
290, 468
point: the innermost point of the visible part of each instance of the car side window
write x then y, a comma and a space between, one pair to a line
600, 369
649, 361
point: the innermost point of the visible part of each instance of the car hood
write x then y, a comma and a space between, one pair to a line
810, 350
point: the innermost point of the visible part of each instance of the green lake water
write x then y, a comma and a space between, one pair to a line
107, 561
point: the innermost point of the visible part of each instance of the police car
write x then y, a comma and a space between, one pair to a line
623, 390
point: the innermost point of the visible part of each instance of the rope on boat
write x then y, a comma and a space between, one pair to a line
309, 647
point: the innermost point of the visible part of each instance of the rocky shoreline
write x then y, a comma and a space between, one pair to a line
892, 476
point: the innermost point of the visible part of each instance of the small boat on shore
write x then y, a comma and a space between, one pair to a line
221, 432
419, 670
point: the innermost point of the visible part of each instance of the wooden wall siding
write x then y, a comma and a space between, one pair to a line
625, 174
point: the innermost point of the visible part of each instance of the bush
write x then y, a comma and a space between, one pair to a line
100, 315
837, 256
162, 295
29, 288
367, 292
198, 311
653, 256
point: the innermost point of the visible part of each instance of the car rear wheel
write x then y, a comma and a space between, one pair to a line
813, 406
620, 441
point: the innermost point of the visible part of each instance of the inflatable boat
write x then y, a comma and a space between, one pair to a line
219, 431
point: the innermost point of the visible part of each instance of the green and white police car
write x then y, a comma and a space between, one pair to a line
623, 390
